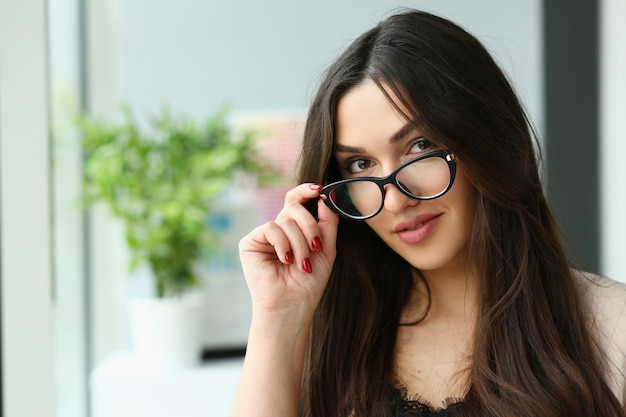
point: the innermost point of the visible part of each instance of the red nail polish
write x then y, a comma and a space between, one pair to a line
306, 265
289, 258
317, 244
315, 187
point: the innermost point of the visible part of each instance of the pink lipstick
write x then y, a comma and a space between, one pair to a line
418, 229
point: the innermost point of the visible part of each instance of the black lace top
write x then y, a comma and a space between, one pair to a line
403, 405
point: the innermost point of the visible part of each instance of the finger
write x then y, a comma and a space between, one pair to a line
295, 211
298, 229
302, 193
269, 239
328, 224
303, 229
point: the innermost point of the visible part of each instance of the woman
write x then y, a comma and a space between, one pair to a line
429, 278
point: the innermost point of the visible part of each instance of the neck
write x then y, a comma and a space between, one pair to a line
454, 295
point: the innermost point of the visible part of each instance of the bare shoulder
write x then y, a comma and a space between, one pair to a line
605, 296
605, 301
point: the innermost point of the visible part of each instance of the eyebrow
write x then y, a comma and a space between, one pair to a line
398, 135
402, 132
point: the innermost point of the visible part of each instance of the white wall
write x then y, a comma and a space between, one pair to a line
194, 54
613, 137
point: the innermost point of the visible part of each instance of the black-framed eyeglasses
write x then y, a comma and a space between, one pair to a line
424, 178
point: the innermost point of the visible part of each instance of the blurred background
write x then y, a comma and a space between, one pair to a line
66, 336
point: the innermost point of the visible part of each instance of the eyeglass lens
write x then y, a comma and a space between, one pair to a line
424, 179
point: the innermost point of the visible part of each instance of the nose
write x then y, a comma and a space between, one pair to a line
396, 200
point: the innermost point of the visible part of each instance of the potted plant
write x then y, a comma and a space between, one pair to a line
161, 180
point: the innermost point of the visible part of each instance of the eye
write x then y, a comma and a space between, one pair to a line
359, 165
421, 145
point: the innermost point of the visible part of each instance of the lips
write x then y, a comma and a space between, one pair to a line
418, 229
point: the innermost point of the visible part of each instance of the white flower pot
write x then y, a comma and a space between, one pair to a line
166, 332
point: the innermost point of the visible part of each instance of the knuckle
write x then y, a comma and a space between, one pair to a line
288, 212
291, 205
289, 195
310, 226
287, 223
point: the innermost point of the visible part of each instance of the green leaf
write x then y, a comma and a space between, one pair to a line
161, 179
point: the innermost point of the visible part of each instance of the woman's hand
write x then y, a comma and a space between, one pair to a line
287, 262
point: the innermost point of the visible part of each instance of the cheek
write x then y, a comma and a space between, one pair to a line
462, 202
374, 222
461, 190
381, 224
459, 200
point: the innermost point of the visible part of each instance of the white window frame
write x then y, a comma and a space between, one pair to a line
612, 132
25, 211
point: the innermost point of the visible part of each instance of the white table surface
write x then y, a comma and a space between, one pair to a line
123, 386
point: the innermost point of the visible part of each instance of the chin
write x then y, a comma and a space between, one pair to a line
433, 259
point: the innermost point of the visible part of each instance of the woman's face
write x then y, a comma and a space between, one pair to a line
373, 139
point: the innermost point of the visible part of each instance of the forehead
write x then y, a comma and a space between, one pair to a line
366, 114
369, 118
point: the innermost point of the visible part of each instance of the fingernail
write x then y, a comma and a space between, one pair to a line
315, 187
289, 258
306, 265
317, 244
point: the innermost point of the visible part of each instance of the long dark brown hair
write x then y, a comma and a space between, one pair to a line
533, 354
